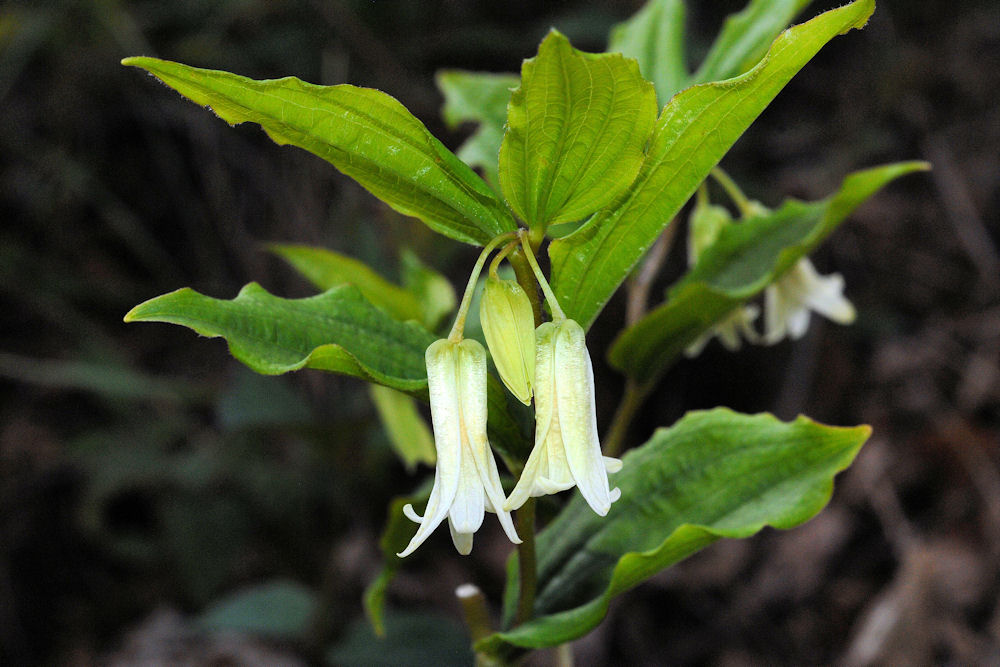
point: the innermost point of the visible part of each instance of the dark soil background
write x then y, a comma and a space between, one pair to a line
145, 476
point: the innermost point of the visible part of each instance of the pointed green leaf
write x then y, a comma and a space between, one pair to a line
654, 36
364, 133
745, 37
745, 259
336, 331
432, 290
326, 269
479, 97
405, 427
695, 130
714, 474
576, 129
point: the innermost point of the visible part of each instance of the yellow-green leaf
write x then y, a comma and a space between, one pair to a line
364, 133
576, 129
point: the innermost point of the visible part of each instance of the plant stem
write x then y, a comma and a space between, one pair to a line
557, 313
631, 401
477, 617
463, 309
527, 564
638, 293
525, 516
733, 191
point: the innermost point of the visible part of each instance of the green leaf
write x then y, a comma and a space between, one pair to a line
327, 269
336, 331
277, 610
478, 97
745, 37
576, 129
432, 290
745, 259
364, 133
654, 36
396, 535
405, 427
714, 474
695, 130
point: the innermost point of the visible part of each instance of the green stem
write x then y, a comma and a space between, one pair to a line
631, 401
463, 310
733, 191
477, 617
527, 563
526, 279
557, 313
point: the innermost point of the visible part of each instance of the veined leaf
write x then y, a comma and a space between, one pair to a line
336, 331
576, 129
695, 130
714, 474
327, 269
654, 36
745, 37
364, 133
745, 259
479, 97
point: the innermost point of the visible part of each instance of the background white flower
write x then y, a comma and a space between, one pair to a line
789, 300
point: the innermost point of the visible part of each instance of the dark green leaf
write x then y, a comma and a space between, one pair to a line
336, 331
411, 639
365, 133
576, 129
745, 259
654, 36
713, 474
396, 535
327, 269
431, 289
745, 37
694, 131
277, 610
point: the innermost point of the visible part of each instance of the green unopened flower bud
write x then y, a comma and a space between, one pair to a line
509, 327
706, 223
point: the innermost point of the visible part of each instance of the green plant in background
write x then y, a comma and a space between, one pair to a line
576, 163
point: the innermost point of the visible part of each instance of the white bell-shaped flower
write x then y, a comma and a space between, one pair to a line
802, 289
567, 451
466, 480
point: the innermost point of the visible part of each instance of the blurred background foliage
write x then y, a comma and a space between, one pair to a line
160, 502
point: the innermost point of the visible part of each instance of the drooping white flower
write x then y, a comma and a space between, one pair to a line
567, 451
466, 480
729, 330
800, 290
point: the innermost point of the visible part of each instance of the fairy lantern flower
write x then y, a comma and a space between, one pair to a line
567, 450
466, 479
704, 227
509, 328
800, 290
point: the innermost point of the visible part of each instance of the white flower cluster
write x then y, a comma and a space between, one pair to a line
550, 364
